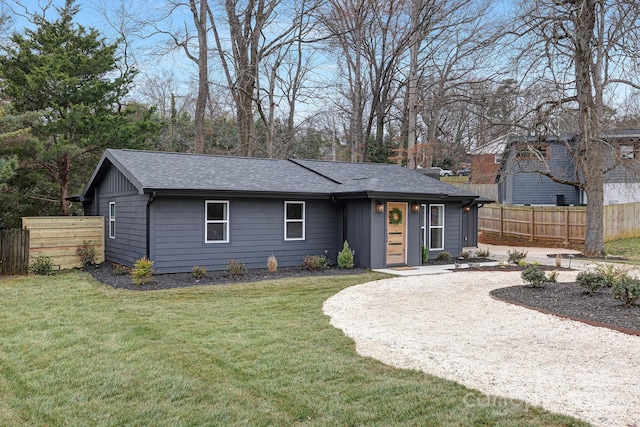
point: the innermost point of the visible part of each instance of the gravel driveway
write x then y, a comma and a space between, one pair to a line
447, 325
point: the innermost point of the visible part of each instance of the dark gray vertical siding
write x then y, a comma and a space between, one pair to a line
358, 230
378, 233
130, 239
470, 227
256, 230
414, 247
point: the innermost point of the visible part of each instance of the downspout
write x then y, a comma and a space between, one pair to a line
148, 225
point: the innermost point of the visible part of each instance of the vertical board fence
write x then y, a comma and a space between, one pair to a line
562, 224
59, 237
14, 251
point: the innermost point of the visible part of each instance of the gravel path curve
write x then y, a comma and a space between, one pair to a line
447, 325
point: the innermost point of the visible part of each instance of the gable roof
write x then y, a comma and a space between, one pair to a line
152, 171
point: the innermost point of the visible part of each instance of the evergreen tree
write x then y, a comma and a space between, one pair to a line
69, 75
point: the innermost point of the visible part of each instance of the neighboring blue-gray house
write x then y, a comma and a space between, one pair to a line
521, 183
182, 210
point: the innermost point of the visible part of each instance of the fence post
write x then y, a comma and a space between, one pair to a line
501, 221
566, 226
532, 223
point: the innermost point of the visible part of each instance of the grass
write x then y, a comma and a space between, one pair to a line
74, 352
626, 248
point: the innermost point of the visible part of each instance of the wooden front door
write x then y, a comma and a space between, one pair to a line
396, 233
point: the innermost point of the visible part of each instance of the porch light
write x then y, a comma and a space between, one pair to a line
415, 207
467, 208
379, 207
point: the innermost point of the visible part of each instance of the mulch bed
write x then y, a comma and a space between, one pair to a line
571, 301
105, 273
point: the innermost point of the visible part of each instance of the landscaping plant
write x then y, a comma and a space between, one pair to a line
237, 268
483, 253
199, 272
515, 256
142, 271
314, 262
87, 254
42, 266
345, 256
611, 273
591, 281
534, 276
444, 256
626, 289
272, 263
425, 254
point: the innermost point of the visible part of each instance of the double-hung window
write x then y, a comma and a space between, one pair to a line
294, 220
436, 227
216, 229
112, 220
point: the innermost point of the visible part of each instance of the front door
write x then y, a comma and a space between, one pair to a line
396, 233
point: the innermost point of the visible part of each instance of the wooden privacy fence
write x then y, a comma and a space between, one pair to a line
563, 224
59, 237
14, 251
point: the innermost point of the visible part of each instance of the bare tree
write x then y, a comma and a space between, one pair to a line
586, 49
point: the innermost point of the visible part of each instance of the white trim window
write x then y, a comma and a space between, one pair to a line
294, 220
216, 224
112, 220
436, 227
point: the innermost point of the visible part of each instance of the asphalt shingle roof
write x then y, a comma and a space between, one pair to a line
152, 170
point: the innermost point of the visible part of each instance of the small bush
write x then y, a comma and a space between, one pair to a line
345, 256
41, 266
87, 254
464, 255
425, 254
483, 253
590, 281
522, 263
142, 271
444, 256
515, 256
553, 277
314, 262
627, 289
272, 263
120, 270
199, 272
534, 276
237, 268
611, 273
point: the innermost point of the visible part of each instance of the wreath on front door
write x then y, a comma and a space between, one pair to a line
395, 216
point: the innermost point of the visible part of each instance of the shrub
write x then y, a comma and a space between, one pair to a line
345, 256
627, 289
237, 268
142, 271
515, 255
272, 263
534, 276
120, 270
590, 281
464, 255
87, 254
199, 272
425, 254
611, 273
314, 262
553, 277
444, 256
522, 263
483, 253
41, 266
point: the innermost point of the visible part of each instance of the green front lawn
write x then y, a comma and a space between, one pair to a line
627, 248
74, 352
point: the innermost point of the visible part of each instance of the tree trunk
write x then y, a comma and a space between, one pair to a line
64, 167
200, 20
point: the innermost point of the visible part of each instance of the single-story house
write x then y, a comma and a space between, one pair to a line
182, 210
520, 181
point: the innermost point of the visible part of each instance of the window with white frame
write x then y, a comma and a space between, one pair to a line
436, 227
112, 220
294, 220
216, 229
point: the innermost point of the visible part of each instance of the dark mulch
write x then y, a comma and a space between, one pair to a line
512, 267
570, 300
105, 273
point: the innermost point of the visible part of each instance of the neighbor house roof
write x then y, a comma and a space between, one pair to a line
181, 172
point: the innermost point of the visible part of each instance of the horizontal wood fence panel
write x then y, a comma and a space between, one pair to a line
14, 251
59, 238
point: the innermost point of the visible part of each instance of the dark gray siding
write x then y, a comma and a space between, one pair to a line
470, 227
414, 240
256, 230
359, 232
130, 237
452, 228
523, 185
